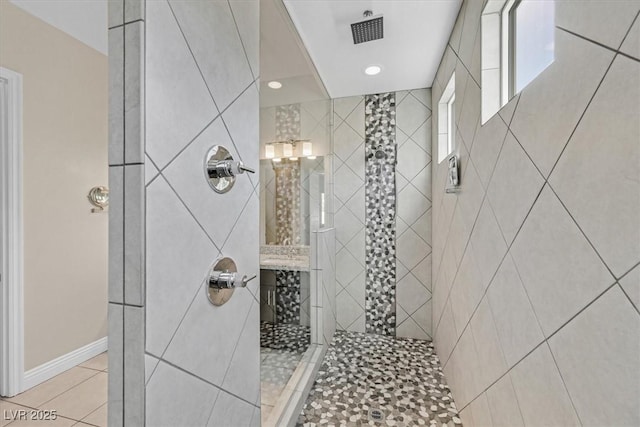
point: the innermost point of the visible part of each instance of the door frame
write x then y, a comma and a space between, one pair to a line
11, 223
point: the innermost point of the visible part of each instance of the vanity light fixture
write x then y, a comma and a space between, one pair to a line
372, 70
287, 150
274, 84
269, 151
307, 148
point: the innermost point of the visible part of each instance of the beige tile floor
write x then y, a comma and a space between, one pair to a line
79, 397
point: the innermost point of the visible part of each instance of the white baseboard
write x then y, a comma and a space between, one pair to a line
48, 370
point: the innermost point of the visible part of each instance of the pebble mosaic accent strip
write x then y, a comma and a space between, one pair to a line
287, 202
278, 336
288, 122
380, 200
288, 297
363, 374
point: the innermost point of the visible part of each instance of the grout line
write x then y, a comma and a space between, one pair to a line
566, 389
540, 344
582, 232
193, 56
190, 213
244, 49
217, 387
586, 108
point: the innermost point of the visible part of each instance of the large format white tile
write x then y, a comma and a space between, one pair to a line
558, 267
345, 141
503, 404
598, 178
212, 37
347, 225
411, 114
176, 398
411, 329
487, 244
597, 354
178, 104
134, 381
116, 234
515, 320
115, 13
179, 256
514, 187
489, 351
348, 309
200, 345
631, 45
347, 183
242, 245
479, 412
243, 375
540, 391
411, 294
134, 238
605, 22
186, 174
347, 267
631, 285
116, 91
411, 249
134, 90
344, 106
230, 411
486, 147
411, 204
247, 17
241, 118
115, 389
470, 114
550, 106
411, 159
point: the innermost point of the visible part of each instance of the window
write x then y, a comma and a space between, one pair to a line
446, 120
517, 39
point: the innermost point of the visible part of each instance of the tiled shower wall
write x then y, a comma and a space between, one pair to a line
413, 213
187, 71
536, 277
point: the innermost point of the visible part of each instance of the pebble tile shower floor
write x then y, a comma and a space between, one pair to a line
399, 377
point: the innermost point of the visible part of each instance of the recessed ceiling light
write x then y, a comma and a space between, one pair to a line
372, 70
274, 84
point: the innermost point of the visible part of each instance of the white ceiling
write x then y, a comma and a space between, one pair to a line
415, 36
85, 20
284, 58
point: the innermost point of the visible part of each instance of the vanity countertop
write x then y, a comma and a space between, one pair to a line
290, 258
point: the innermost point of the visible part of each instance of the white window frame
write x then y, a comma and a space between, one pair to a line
498, 56
446, 120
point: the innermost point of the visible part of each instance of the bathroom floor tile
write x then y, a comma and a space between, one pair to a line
399, 378
99, 363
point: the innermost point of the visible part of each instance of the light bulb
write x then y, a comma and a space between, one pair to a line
269, 151
307, 148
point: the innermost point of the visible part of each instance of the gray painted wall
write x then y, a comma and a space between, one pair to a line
536, 284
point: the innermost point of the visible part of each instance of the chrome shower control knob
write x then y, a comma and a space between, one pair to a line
221, 170
223, 280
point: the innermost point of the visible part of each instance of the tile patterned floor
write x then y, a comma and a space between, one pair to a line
79, 397
400, 377
285, 336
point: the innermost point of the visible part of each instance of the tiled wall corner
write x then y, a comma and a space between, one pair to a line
528, 262
126, 218
413, 219
202, 372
